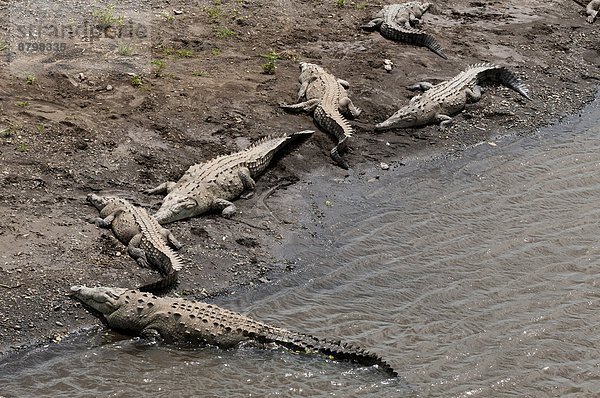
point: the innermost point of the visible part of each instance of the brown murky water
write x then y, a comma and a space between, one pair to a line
473, 277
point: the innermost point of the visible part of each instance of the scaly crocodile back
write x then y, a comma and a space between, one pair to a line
256, 158
474, 75
333, 122
185, 321
500, 74
160, 254
329, 91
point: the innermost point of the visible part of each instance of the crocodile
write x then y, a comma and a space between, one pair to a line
147, 241
211, 185
592, 10
325, 95
399, 22
440, 101
186, 322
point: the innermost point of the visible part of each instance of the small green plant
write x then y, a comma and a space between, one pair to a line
214, 12
159, 66
124, 49
224, 33
30, 79
360, 6
270, 66
3, 45
184, 53
199, 73
9, 131
216, 51
22, 104
105, 16
168, 51
341, 3
23, 147
168, 16
136, 80
40, 128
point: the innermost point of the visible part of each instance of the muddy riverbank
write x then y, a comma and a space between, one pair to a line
77, 122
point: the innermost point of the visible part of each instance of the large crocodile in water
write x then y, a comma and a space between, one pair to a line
175, 320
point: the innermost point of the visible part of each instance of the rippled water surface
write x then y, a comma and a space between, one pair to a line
472, 277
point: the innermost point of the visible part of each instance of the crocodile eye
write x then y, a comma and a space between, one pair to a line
190, 203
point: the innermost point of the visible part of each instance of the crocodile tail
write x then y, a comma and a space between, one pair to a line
169, 264
500, 74
164, 283
171, 259
161, 255
414, 36
260, 154
336, 349
336, 124
300, 133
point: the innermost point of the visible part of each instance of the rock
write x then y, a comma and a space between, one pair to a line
177, 12
109, 87
384, 166
388, 65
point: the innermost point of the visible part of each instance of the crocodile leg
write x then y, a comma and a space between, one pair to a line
246, 177
247, 182
592, 10
473, 94
414, 19
107, 221
171, 238
136, 253
103, 222
443, 120
227, 208
303, 88
347, 107
372, 24
344, 83
151, 335
306, 106
163, 188
422, 86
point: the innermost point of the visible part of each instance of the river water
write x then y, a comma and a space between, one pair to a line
473, 277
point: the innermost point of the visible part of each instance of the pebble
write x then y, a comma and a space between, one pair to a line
384, 166
109, 87
59, 323
388, 65
177, 12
